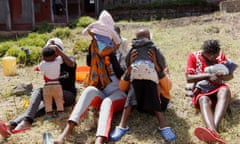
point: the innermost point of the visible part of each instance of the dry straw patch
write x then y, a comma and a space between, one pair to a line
176, 38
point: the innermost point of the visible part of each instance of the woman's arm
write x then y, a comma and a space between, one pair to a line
66, 59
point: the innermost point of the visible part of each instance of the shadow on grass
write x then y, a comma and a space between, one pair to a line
231, 119
143, 128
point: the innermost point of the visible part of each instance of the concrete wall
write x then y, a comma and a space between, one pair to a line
230, 6
110, 2
159, 13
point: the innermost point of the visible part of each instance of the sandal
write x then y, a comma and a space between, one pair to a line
207, 135
167, 134
21, 127
4, 131
118, 133
19, 130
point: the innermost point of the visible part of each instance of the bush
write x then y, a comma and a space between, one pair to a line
62, 32
44, 27
13, 51
72, 24
33, 39
26, 56
5, 46
84, 21
81, 46
43, 37
22, 58
35, 55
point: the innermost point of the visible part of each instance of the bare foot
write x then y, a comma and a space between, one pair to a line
23, 125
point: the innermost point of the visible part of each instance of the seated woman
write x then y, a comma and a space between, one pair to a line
213, 103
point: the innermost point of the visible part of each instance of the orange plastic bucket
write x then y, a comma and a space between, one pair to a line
82, 73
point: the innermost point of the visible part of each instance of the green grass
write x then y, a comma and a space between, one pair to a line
176, 38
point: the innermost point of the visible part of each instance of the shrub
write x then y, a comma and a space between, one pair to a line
35, 55
84, 21
5, 46
72, 24
81, 46
62, 32
44, 27
43, 37
26, 56
22, 58
13, 51
33, 39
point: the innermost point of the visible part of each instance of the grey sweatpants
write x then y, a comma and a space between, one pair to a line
109, 100
37, 108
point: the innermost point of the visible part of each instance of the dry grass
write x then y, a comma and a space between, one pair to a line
176, 38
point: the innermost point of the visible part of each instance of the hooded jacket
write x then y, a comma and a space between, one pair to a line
143, 46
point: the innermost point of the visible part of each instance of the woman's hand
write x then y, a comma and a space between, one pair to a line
152, 56
133, 55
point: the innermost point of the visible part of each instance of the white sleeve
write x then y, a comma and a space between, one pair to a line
41, 66
59, 59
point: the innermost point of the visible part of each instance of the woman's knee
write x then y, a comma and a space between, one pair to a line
224, 94
107, 102
205, 100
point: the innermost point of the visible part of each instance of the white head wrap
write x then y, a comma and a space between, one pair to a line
56, 41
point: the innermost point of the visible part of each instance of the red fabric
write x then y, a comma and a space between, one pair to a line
36, 68
96, 102
196, 62
213, 98
195, 65
116, 107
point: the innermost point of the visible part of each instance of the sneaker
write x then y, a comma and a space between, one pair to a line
118, 133
167, 134
60, 115
48, 117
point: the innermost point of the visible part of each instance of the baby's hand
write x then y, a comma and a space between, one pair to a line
216, 78
220, 74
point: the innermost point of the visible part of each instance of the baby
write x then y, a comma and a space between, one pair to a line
143, 67
224, 69
145, 76
52, 89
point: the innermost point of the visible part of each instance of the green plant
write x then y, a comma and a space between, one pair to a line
22, 58
72, 24
84, 21
80, 46
5, 46
33, 39
13, 51
62, 32
34, 56
26, 56
44, 27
